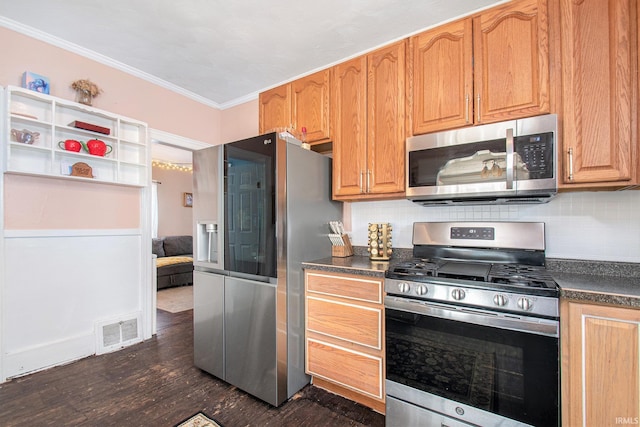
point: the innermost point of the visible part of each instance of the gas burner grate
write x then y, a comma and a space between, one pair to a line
522, 275
415, 268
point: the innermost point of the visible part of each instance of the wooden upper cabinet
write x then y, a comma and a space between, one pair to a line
310, 105
490, 67
275, 108
441, 69
368, 119
511, 54
349, 121
386, 120
599, 48
301, 103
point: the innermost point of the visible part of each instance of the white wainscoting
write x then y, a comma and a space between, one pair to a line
59, 284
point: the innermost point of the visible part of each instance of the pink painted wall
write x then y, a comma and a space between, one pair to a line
240, 122
43, 203
123, 93
174, 219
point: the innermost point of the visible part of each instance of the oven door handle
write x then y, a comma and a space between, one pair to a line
513, 322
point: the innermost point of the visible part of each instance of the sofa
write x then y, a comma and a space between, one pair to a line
174, 261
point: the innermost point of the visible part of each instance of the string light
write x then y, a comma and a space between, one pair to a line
172, 166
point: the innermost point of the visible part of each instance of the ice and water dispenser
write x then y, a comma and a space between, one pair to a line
207, 242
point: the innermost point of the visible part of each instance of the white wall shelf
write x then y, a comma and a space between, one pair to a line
127, 164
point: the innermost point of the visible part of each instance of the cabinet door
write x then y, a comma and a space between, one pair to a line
441, 71
275, 108
349, 368
511, 54
354, 323
349, 123
599, 79
310, 106
386, 134
600, 354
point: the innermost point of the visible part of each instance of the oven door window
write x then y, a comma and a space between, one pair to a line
513, 374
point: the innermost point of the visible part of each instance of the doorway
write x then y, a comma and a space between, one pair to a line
170, 204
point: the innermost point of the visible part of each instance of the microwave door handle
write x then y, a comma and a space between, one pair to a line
510, 156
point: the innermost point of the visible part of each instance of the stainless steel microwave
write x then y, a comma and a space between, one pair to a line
506, 162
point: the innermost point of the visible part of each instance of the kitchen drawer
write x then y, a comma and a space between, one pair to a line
360, 288
351, 369
350, 322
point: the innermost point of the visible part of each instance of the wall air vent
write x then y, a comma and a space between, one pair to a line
117, 333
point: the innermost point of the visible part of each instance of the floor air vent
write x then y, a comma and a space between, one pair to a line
114, 334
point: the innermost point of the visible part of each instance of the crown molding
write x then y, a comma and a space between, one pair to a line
250, 97
103, 59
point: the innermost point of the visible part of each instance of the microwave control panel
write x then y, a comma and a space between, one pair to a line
536, 151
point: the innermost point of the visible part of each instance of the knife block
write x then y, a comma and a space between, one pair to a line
342, 251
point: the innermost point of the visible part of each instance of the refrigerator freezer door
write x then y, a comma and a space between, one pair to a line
250, 347
207, 208
208, 322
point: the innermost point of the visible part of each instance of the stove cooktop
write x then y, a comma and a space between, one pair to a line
495, 266
521, 278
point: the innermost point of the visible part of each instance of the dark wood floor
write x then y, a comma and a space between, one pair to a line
156, 384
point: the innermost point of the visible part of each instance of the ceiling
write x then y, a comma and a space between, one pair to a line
220, 52
168, 154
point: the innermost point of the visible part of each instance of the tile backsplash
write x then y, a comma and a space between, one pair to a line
602, 225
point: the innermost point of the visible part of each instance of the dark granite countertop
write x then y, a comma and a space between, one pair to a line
353, 265
595, 281
598, 281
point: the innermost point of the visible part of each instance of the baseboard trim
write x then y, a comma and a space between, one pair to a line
48, 355
376, 405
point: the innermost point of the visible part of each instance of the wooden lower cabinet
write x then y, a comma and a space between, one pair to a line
345, 335
600, 364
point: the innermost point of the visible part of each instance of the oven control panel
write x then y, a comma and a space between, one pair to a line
475, 233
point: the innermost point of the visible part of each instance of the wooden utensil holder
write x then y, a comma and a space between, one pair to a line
342, 251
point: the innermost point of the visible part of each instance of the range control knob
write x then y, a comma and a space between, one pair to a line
500, 300
457, 294
421, 290
525, 303
404, 287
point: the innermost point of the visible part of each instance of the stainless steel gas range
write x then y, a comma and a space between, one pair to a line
472, 328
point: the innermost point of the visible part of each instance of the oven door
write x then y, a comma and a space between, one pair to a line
474, 366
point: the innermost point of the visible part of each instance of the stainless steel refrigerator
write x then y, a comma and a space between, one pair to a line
261, 207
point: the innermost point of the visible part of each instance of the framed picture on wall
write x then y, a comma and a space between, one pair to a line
188, 200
